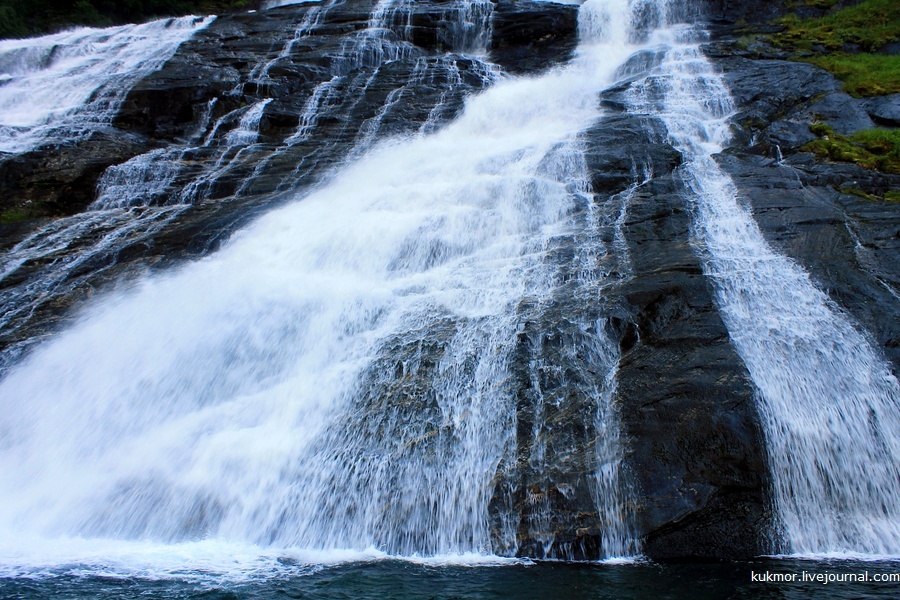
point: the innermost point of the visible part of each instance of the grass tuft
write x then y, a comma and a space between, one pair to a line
863, 74
845, 44
13, 215
876, 149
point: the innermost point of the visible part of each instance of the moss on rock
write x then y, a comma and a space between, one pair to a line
877, 149
846, 43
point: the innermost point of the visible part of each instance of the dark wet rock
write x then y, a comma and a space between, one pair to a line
686, 398
844, 113
826, 216
884, 110
730, 12
847, 243
60, 180
693, 438
773, 99
621, 155
560, 378
530, 37
891, 49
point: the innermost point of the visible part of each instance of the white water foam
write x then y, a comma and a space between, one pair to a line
60, 87
828, 402
211, 562
219, 401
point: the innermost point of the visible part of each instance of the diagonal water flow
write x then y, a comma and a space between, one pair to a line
828, 402
359, 61
133, 204
199, 169
338, 375
66, 246
583, 365
61, 87
310, 22
237, 147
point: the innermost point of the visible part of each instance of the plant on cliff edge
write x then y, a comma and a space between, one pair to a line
845, 43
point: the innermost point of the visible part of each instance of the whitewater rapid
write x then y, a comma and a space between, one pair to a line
245, 398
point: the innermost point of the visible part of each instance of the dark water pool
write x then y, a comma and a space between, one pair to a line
387, 579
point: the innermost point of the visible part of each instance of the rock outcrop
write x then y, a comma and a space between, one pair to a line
829, 217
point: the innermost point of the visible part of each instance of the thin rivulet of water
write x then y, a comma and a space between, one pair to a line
828, 402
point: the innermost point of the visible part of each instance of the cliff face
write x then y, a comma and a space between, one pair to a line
695, 456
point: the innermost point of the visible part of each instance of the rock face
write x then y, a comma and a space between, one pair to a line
531, 37
61, 182
685, 397
274, 111
817, 213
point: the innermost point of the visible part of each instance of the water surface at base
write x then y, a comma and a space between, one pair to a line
390, 579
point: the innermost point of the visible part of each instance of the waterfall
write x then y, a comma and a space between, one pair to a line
338, 377
224, 156
827, 399
59, 88
363, 370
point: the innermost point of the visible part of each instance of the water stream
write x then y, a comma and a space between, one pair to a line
336, 380
828, 401
59, 88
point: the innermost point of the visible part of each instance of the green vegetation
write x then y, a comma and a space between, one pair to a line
13, 215
871, 24
820, 3
863, 74
825, 42
22, 18
858, 193
877, 149
889, 196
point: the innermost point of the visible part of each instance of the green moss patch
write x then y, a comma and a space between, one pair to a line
877, 149
825, 42
863, 74
13, 215
870, 24
889, 196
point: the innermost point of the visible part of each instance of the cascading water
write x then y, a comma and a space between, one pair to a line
344, 378
59, 88
338, 376
828, 402
223, 155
